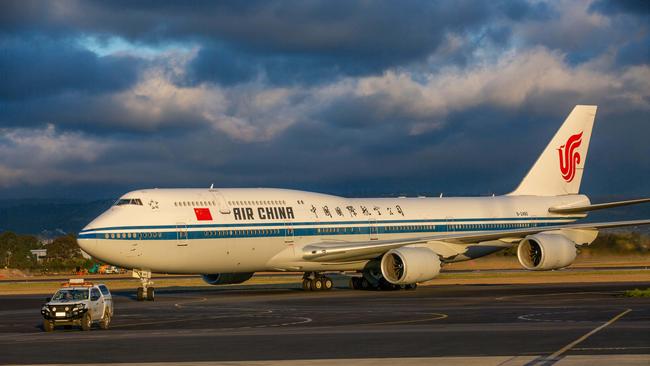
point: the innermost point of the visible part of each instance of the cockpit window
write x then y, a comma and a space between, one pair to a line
128, 201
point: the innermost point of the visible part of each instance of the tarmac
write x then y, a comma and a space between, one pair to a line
558, 324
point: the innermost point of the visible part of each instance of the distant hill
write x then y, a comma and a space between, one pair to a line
52, 217
48, 217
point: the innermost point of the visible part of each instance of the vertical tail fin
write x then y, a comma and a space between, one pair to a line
558, 171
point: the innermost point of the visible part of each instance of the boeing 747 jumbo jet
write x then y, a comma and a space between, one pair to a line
228, 234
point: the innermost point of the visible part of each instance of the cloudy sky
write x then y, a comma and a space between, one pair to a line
353, 98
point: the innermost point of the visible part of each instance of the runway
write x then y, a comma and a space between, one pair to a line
495, 324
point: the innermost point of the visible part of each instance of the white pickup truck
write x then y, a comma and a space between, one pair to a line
78, 303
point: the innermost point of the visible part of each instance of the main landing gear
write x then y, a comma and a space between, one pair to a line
146, 292
314, 281
373, 280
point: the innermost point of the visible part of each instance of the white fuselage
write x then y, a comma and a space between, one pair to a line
247, 230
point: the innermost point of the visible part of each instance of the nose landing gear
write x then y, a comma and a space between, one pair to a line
146, 292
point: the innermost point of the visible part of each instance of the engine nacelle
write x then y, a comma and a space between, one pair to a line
226, 278
405, 266
543, 252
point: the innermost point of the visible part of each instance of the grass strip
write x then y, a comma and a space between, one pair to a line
637, 293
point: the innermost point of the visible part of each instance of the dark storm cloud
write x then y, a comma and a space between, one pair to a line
403, 29
39, 66
462, 98
286, 41
227, 66
636, 52
522, 10
608, 7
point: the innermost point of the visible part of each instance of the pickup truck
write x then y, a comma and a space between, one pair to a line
78, 303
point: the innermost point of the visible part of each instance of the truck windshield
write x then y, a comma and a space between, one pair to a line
70, 295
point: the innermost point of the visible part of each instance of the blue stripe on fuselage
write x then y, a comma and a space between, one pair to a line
326, 223
254, 230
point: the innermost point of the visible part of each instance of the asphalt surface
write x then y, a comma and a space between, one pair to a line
281, 322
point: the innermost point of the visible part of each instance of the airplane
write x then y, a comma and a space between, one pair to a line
227, 235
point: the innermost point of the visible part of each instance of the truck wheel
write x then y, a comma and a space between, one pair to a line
48, 325
86, 322
151, 295
140, 295
106, 320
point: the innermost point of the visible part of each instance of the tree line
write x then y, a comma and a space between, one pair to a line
63, 253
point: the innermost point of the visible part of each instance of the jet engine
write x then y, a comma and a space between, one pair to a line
226, 278
543, 252
404, 266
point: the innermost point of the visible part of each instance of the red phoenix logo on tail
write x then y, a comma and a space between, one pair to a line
569, 157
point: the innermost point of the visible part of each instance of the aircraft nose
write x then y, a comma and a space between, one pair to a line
88, 237
87, 241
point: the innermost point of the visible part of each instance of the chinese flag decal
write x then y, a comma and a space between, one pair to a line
203, 214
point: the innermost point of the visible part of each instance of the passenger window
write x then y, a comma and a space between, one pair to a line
104, 290
94, 294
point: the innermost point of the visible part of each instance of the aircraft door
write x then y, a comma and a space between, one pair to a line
289, 233
450, 224
221, 201
182, 237
373, 230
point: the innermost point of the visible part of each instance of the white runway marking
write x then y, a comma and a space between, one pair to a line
592, 332
559, 294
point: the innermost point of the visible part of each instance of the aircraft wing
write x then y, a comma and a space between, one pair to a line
349, 251
597, 206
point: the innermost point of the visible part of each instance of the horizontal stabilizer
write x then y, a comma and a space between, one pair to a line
598, 206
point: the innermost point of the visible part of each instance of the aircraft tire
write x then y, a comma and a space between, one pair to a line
48, 325
327, 284
140, 295
385, 285
365, 285
151, 294
306, 285
354, 283
316, 284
